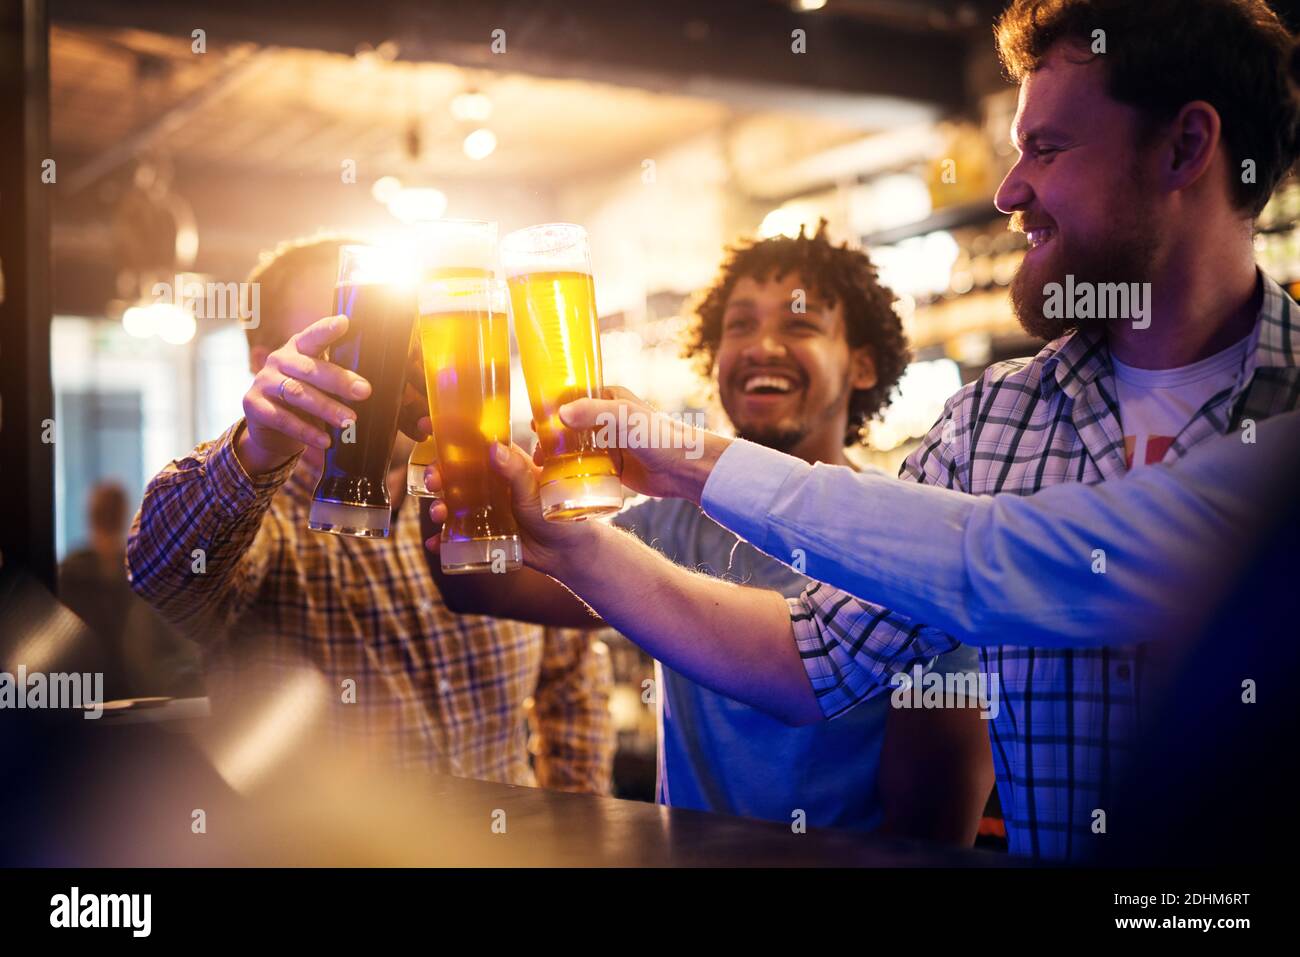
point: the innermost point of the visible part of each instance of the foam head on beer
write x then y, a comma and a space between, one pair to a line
452, 247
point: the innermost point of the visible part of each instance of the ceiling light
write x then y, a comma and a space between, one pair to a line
385, 188
480, 144
138, 321
173, 323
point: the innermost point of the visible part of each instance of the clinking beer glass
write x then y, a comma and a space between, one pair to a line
447, 249
465, 338
548, 269
351, 497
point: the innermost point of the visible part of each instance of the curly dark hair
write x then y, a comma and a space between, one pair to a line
1163, 54
835, 273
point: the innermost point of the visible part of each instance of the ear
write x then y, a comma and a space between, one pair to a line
862, 368
1193, 140
257, 358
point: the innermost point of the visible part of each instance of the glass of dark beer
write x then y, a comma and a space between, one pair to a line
352, 495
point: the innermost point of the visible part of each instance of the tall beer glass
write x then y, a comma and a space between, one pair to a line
352, 497
548, 269
465, 338
447, 249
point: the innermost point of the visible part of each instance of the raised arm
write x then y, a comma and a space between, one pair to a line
735, 640
987, 568
1071, 566
201, 542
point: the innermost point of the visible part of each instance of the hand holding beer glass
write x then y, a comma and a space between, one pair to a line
465, 338
352, 495
548, 269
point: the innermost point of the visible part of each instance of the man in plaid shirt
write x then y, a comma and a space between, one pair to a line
222, 549
1130, 171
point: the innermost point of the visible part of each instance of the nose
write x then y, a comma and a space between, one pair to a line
1015, 193
766, 346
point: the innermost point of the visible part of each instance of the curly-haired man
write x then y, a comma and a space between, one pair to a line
805, 348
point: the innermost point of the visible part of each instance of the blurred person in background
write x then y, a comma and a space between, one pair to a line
145, 657
222, 549
805, 348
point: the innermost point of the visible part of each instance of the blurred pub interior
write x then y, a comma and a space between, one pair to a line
191, 137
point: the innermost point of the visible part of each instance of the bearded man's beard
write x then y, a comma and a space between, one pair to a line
1126, 254
783, 439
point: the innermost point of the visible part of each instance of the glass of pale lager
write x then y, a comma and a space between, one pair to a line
352, 497
447, 249
548, 269
465, 338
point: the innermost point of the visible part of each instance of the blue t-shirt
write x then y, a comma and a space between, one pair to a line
716, 754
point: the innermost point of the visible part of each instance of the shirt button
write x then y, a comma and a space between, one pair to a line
444, 686
1122, 672
426, 606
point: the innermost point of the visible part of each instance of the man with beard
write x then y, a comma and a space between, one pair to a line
806, 348
418, 686
1146, 163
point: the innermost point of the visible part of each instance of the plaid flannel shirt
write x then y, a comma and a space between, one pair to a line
453, 693
1068, 717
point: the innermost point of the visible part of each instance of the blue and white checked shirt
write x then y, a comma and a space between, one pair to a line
1067, 716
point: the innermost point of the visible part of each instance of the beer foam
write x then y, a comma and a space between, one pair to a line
455, 244
554, 247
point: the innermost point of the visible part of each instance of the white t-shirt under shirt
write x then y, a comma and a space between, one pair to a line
1155, 404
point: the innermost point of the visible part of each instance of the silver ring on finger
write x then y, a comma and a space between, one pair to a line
284, 382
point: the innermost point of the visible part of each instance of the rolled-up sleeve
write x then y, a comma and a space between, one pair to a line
852, 649
199, 545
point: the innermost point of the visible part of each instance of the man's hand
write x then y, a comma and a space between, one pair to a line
680, 456
548, 547
293, 399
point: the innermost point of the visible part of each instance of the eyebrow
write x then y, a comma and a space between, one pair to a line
1022, 137
812, 302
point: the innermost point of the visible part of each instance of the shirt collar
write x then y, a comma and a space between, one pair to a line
1080, 358
1275, 340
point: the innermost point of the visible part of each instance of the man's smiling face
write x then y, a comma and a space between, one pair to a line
1080, 190
783, 374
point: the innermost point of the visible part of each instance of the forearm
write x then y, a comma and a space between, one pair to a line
995, 569
895, 543
189, 549
735, 640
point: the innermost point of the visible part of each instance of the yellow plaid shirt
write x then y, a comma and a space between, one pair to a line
230, 560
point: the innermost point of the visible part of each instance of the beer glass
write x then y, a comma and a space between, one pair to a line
465, 338
351, 497
447, 249
548, 269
